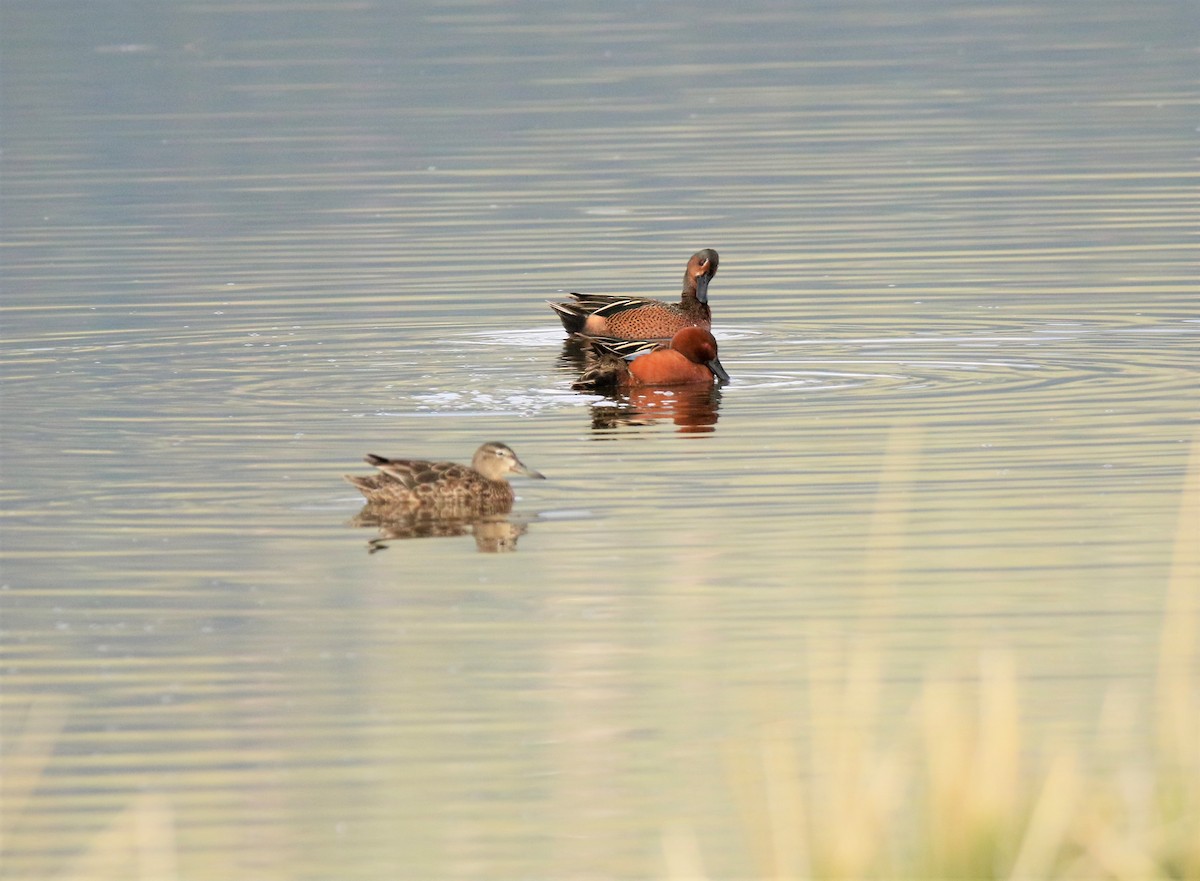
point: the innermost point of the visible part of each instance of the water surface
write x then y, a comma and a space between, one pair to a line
245, 244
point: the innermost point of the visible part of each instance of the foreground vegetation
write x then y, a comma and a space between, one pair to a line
958, 792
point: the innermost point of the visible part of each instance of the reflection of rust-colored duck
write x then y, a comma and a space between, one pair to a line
691, 357
641, 318
444, 488
692, 408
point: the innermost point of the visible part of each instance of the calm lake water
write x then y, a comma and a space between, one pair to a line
246, 243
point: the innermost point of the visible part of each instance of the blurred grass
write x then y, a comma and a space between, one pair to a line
957, 792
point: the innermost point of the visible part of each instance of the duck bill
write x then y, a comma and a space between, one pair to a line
525, 471
718, 371
702, 288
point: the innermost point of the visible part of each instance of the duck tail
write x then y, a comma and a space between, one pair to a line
363, 484
573, 318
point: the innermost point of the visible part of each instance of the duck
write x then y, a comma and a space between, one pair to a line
444, 488
644, 318
614, 364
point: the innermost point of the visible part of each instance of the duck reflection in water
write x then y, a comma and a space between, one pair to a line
654, 379
692, 408
493, 533
417, 498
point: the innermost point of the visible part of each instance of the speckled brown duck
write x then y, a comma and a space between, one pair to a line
444, 488
691, 357
643, 318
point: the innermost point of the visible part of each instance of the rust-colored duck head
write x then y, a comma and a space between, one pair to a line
700, 347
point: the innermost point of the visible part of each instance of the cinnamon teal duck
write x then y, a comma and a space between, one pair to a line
643, 318
690, 357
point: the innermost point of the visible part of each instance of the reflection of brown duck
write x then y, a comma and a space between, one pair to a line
444, 489
693, 408
691, 357
642, 317
493, 533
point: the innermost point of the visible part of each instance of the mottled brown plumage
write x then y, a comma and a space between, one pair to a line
444, 489
643, 318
